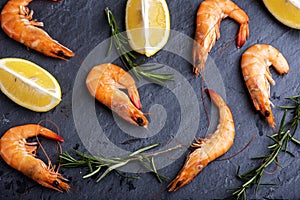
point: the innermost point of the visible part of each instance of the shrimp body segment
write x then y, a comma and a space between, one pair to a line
255, 68
20, 155
104, 82
16, 22
207, 149
209, 16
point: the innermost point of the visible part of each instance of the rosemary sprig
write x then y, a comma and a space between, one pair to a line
281, 139
121, 44
96, 164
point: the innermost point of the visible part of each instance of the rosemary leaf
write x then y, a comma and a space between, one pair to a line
287, 107
124, 176
294, 97
113, 167
154, 170
90, 166
93, 172
143, 149
109, 47
159, 176
145, 158
259, 157
278, 164
288, 152
295, 140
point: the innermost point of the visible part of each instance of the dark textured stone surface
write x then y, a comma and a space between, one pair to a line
81, 25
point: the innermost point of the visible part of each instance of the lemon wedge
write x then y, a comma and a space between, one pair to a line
147, 25
286, 11
29, 85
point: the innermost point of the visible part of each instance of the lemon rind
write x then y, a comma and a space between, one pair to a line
282, 20
55, 97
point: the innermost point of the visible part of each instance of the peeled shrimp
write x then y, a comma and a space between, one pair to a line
104, 83
255, 68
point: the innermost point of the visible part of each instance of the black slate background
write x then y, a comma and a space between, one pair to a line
81, 25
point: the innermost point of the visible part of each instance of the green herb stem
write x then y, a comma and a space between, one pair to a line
95, 164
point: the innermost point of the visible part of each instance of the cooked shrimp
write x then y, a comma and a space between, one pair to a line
207, 149
104, 83
209, 16
255, 68
19, 154
17, 23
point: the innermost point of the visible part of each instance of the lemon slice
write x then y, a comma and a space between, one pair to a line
286, 11
147, 25
29, 85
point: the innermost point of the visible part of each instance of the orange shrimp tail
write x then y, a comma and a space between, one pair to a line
199, 59
192, 167
49, 134
243, 35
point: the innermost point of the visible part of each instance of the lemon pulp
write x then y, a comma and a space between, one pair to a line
147, 25
29, 85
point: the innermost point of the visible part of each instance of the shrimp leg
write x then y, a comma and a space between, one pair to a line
255, 68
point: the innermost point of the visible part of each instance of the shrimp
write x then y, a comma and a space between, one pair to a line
255, 68
209, 16
20, 155
207, 149
104, 83
17, 23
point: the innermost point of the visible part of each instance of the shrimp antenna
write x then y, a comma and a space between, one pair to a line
228, 44
240, 151
203, 101
41, 146
149, 113
58, 146
155, 195
203, 80
179, 142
